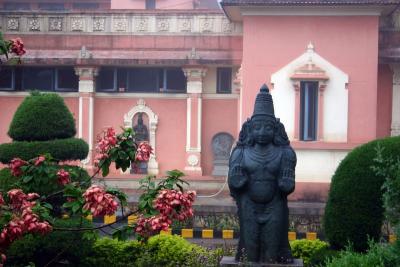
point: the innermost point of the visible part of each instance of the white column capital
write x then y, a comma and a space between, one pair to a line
194, 72
86, 73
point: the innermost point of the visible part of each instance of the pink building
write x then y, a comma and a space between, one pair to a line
191, 70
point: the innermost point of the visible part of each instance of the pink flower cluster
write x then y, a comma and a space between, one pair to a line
15, 166
172, 205
143, 152
105, 142
147, 227
17, 47
24, 220
99, 202
63, 177
39, 160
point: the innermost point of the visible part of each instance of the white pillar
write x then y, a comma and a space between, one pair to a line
86, 109
395, 127
194, 75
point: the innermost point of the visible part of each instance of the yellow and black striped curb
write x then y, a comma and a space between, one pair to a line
210, 233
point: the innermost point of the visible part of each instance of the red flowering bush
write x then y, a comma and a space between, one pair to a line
119, 148
63, 177
99, 202
159, 205
15, 166
143, 152
13, 47
17, 47
20, 218
172, 205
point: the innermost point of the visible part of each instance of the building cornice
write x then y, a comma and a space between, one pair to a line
119, 23
236, 12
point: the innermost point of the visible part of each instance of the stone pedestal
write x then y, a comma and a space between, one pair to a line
221, 167
230, 262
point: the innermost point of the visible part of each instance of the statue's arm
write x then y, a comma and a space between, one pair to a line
286, 181
237, 177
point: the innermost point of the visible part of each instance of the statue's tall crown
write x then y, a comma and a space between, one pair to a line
264, 104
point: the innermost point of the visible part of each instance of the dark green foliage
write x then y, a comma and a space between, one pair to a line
42, 249
6, 180
322, 256
42, 117
61, 149
354, 209
378, 255
108, 252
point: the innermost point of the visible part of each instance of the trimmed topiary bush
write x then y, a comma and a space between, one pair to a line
354, 211
42, 117
61, 149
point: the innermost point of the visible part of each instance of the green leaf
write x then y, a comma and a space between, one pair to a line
26, 179
47, 205
68, 204
105, 170
76, 207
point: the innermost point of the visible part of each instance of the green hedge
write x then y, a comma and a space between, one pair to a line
75, 246
108, 252
354, 209
62, 149
42, 117
305, 249
160, 250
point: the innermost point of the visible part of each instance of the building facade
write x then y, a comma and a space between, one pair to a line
191, 70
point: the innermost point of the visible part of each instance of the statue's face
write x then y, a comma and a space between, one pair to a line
263, 130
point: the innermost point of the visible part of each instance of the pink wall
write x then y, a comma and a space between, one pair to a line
8, 106
171, 130
127, 4
216, 120
175, 4
385, 88
160, 4
350, 43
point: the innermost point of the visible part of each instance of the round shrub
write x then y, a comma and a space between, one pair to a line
40, 250
42, 117
305, 249
354, 212
61, 149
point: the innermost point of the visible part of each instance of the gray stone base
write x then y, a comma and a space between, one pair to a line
230, 261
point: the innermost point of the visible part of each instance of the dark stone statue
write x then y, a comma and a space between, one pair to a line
141, 132
261, 176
